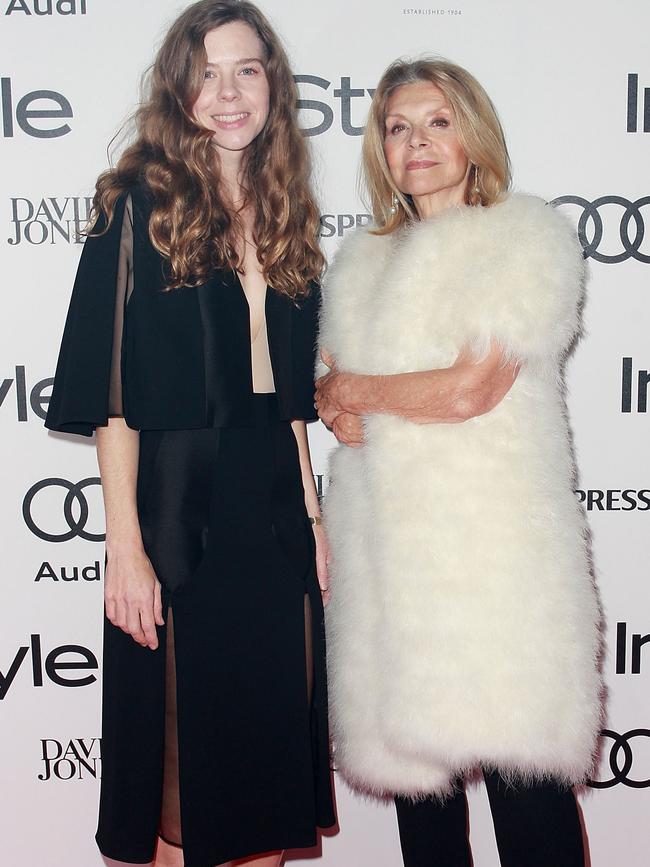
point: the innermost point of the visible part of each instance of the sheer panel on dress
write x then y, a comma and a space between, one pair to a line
123, 291
170, 814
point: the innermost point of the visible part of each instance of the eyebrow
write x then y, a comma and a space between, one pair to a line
431, 111
242, 60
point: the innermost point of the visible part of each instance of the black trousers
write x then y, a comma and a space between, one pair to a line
535, 826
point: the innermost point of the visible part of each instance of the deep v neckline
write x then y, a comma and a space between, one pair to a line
261, 365
264, 317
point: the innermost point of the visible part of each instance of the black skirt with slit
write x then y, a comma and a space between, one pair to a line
218, 739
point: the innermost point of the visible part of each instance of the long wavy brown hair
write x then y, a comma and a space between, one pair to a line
477, 126
173, 155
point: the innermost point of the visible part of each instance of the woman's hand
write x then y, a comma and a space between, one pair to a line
336, 392
322, 561
312, 505
131, 589
132, 596
348, 429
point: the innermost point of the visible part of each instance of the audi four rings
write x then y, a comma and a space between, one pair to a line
631, 215
75, 493
621, 770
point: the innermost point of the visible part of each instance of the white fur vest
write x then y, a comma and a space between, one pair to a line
463, 626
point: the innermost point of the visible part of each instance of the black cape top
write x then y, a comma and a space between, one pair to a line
170, 360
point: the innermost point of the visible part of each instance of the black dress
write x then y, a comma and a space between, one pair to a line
217, 740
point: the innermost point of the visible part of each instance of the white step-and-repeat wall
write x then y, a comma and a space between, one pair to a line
572, 84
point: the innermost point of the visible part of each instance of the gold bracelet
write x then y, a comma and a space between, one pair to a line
315, 520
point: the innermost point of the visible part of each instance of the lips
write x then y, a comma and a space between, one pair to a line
230, 122
414, 165
229, 118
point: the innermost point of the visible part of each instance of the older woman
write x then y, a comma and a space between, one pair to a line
463, 626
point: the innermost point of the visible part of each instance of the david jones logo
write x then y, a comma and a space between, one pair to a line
75, 759
50, 219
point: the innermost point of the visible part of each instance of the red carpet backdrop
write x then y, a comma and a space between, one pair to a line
572, 84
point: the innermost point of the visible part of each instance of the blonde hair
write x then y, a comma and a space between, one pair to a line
477, 126
190, 224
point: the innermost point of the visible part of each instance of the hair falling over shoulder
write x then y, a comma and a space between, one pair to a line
174, 158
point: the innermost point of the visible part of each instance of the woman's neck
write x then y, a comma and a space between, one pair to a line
230, 176
436, 203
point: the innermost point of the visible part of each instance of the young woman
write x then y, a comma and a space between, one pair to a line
464, 622
188, 348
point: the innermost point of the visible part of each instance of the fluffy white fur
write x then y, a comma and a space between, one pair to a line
463, 626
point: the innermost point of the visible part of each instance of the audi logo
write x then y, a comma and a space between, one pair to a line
621, 760
631, 229
74, 495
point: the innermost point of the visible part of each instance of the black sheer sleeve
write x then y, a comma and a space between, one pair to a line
87, 384
123, 290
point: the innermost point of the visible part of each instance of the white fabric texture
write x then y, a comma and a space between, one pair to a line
464, 625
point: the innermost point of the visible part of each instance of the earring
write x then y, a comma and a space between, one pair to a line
394, 204
477, 189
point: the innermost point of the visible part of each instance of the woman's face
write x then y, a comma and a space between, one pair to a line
234, 99
423, 152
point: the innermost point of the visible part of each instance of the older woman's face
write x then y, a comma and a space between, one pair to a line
422, 149
234, 100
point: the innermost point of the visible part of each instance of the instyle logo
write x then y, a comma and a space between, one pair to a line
47, 7
68, 574
45, 106
49, 221
76, 759
344, 95
628, 653
338, 224
634, 397
611, 229
61, 666
633, 104
615, 499
627, 758
69, 512
39, 394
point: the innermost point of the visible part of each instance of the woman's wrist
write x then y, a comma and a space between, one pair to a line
124, 544
359, 394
